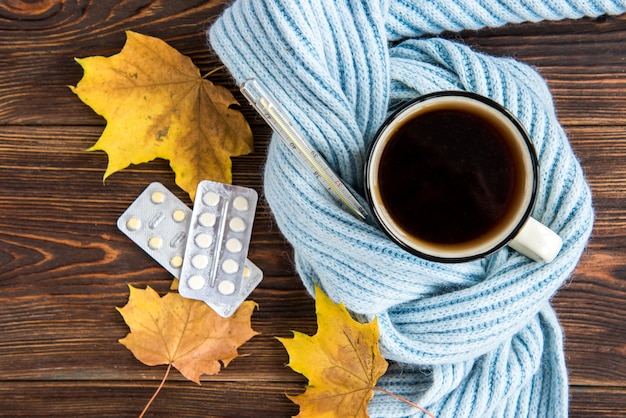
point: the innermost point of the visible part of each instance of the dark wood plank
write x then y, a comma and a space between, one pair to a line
41, 39
127, 399
594, 402
581, 60
64, 267
212, 399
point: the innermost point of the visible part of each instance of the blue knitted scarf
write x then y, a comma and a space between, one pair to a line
476, 339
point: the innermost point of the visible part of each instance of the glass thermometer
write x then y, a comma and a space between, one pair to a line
260, 99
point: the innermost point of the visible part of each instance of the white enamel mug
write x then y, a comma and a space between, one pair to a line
452, 177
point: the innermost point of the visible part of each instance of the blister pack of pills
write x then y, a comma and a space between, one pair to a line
217, 242
159, 223
252, 276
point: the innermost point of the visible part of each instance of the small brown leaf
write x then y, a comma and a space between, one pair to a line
182, 332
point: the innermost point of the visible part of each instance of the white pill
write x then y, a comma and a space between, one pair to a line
155, 242
211, 199
203, 240
230, 266
240, 203
234, 245
178, 215
226, 287
200, 261
176, 261
133, 224
237, 224
206, 219
157, 197
196, 282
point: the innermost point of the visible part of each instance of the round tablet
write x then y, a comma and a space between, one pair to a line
237, 224
246, 272
226, 287
157, 197
176, 261
203, 240
206, 219
178, 215
230, 266
133, 224
200, 261
234, 245
210, 199
240, 203
155, 242
196, 282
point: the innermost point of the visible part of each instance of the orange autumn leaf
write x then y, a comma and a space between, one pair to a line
157, 105
182, 332
341, 361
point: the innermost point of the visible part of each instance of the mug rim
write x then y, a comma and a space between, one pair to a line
525, 139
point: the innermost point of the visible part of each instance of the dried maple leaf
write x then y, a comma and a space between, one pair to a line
158, 106
341, 361
184, 333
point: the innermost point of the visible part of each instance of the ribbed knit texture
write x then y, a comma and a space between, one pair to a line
476, 339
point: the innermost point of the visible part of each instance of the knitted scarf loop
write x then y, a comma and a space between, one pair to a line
475, 339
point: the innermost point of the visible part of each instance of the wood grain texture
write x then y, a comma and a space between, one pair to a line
64, 267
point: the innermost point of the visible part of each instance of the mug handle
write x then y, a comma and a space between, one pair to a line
537, 241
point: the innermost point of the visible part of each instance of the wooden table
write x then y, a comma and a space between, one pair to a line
64, 266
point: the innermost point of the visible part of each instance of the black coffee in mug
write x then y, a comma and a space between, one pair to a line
452, 176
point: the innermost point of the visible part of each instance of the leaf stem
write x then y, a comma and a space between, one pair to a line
414, 405
213, 71
167, 372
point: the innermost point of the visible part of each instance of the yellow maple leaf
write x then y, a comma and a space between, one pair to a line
182, 332
341, 361
157, 105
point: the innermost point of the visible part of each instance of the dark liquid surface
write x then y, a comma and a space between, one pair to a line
447, 177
